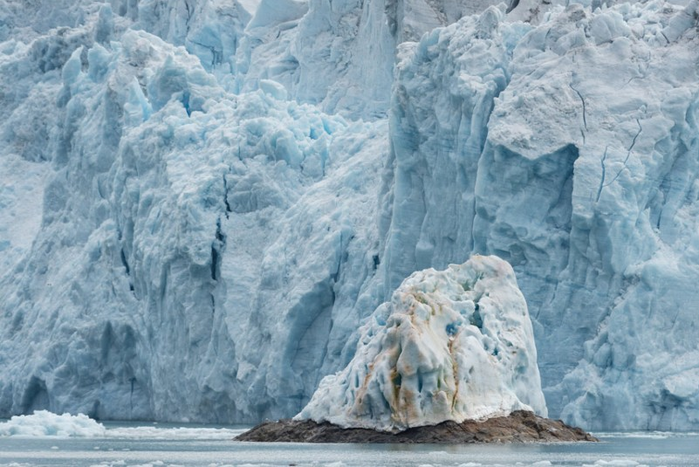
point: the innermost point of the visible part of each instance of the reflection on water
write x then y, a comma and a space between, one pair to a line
160, 445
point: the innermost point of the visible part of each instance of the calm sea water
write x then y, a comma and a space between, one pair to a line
158, 445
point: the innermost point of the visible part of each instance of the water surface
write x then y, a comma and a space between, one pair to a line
167, 445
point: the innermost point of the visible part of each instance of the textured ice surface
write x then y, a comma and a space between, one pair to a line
519, 141
190, 230
131, 275
450, 345
352, 41
43, 423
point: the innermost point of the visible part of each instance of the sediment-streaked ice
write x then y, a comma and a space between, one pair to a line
450, 345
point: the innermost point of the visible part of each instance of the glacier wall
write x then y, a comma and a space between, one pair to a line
163, 224
570, 150
338, 55
196, 216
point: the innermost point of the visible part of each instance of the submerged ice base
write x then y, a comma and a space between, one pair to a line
450, 345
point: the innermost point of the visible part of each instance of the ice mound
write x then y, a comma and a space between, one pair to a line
450, 345
44, 423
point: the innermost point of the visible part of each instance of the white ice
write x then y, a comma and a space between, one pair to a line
450, 345
43, 423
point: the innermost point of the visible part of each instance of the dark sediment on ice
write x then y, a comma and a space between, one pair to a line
518, 427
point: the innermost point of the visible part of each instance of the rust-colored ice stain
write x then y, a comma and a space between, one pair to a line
455, 369
361, 392
403, 399
396, 384
406, 409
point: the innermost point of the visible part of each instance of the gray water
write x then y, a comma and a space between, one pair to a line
128, 445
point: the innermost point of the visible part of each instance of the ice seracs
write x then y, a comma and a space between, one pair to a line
450, 345
188, 230
569, 149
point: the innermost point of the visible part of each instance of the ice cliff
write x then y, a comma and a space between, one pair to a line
450, 345
203, 201
574, 147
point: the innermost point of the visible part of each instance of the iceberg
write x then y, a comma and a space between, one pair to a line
43, 424
450, 345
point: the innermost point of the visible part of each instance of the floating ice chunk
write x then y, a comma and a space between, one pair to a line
616, 463
179, 433
450, 345
43, 423
46, 424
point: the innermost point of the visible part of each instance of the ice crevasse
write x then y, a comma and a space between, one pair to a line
197, 220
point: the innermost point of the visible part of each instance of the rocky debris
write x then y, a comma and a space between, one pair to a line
518, 427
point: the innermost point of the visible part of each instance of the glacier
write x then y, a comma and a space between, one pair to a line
580, 178
203, 202
450, 345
